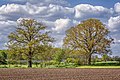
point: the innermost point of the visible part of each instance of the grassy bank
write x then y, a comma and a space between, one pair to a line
98, 67
54, 66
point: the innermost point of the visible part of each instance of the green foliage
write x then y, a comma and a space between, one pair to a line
108, 63
105, 57
70, 60
52, 62
88, 37
28, 39
59, 55
3, 57
74, 61
46, 53
117, 58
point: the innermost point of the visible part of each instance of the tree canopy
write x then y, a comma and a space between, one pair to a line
88, 37
28, 39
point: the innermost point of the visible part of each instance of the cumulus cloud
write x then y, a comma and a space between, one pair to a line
114, 23
117, 7
61, 24
114, 27
87, 11
52, 12
13, 11
5, 28
7, 24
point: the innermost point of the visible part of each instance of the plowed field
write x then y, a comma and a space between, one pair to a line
59, 74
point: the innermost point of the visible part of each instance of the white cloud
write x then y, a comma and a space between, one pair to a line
117, 41
52, 12
117, 7
13, 11
9, 8
49, 24
5, 28
114, 27
61, 24
114, 23
87, 10
7, 24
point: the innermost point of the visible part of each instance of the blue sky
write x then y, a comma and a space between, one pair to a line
60, 15
105, 3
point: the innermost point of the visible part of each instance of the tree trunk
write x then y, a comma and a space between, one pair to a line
30, 59
30, 62
89, 59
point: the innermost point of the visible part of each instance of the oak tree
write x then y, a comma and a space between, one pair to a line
89, 37
28, 37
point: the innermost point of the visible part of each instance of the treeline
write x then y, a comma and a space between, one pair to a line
32, 41
56, 56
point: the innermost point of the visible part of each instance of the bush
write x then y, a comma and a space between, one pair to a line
52, 62
3, 62
76, 61
70, 60
3, 66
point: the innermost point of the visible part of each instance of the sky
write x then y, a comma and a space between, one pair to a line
60, 15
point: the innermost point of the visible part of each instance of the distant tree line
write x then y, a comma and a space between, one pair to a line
31, 41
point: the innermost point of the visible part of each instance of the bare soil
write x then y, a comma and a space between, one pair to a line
59, 74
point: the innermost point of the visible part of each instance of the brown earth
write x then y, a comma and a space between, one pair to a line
59, 74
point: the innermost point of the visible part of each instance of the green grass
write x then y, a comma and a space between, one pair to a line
53, 66
98, 67
17, 66
13, 66
108, 62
